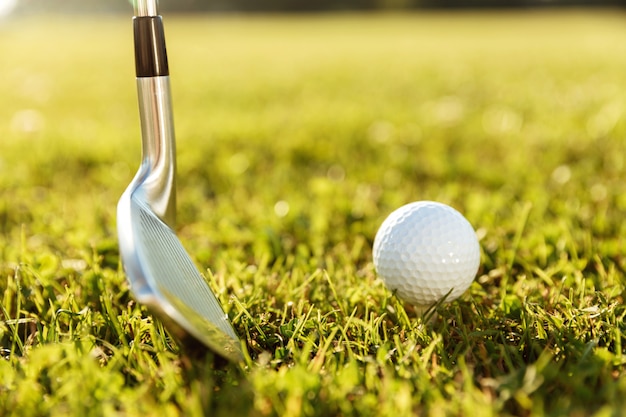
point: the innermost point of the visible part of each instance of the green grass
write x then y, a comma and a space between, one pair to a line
297, 136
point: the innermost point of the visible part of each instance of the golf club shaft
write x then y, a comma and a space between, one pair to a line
146, 7
157, 127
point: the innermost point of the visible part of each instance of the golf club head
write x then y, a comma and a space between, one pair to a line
161, 274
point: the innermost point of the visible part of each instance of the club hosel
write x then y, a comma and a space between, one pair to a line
158, 146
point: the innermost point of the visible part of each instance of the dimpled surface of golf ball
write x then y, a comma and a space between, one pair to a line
425, 250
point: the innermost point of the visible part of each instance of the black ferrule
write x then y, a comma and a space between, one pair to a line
150, 53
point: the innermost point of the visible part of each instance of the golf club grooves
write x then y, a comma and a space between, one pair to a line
174, 272
150, 51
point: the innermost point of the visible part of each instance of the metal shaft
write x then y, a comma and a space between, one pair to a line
146, 7
157, 127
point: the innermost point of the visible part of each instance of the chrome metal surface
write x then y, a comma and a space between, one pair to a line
161, 274
163, 277
146, 7
158, 165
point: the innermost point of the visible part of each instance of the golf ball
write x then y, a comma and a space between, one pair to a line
426, 250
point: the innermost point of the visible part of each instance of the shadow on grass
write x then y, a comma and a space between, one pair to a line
223, 387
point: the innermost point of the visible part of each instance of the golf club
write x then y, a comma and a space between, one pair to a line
161, 274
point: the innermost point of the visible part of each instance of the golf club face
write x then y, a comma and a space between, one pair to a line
161, 274
163, 277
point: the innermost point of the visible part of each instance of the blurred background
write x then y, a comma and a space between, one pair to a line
80, 6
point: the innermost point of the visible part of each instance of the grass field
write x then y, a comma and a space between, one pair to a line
296, 137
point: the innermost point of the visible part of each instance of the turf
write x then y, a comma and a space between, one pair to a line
297, 136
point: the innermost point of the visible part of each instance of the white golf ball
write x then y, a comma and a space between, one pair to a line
425, 250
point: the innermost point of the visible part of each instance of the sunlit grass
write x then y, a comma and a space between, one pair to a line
297, 136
